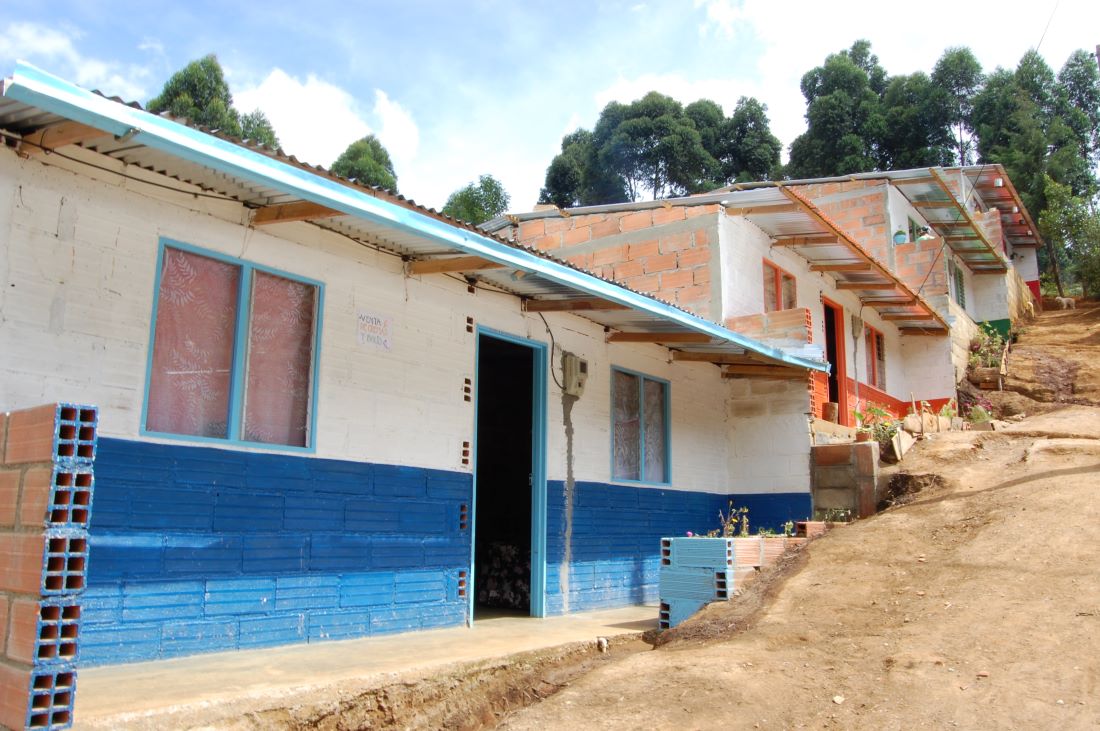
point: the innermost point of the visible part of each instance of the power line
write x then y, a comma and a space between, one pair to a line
1052, 12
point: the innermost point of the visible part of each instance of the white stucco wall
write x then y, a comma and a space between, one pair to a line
744, 246
1027, 263
77, 270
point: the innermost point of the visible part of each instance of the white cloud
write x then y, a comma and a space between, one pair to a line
722, 17
54, 48
396, 129
316, 120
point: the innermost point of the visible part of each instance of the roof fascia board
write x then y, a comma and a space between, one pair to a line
31, 85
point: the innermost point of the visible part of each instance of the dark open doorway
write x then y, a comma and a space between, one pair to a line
502, 510
834, 353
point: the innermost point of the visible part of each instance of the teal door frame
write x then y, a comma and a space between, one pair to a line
538, 468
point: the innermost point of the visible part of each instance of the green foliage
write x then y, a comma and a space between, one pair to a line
986, 349
576, 178
918, 117
199, 93
958, 75
655, 146
367, 161
844, 113
747, 149
477, 202
652, 146
1070, 225
733, 523
878, 422
978, 414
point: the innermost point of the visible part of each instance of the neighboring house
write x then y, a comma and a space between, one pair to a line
816, 262
961, 236
313, 427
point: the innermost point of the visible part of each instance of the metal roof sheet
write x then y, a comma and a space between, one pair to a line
258, 177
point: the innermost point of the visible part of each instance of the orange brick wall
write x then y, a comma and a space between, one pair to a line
863, 217
673, 263
787, 325
922, 266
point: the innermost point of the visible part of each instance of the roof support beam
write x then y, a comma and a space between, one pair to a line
915, 181
899, 300
450, 264
859, 266
287, 212
766, 371
680, 337
762, 210
888, 316
579, 304
920, 331
693, 356
865, 285
813, 240
59, 135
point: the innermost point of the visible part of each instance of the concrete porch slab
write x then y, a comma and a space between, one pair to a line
145, 695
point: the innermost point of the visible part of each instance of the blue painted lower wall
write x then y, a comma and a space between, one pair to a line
197, 549
616, 532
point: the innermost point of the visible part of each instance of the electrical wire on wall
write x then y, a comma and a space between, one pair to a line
553, 345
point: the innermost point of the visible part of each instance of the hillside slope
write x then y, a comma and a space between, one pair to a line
977, 605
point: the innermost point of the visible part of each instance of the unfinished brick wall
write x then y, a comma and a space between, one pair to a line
665, 252
859, 208
922, 266
780, 327
46, 484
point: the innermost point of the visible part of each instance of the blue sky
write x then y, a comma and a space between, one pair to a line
458, 90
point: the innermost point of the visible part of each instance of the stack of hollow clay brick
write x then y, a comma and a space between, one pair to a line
46, 487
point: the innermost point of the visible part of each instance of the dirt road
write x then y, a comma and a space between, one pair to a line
1056, 358
975, 606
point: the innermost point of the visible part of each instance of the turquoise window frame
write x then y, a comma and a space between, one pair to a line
240, 351
642, 378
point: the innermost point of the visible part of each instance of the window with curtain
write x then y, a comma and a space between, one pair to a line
639, 428
779, 289
230, 367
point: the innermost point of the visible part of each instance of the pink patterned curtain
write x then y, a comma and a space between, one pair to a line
280, 355
193, 346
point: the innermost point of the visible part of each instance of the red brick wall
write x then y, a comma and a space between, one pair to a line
674, 264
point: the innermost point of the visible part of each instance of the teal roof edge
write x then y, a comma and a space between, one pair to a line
31, 85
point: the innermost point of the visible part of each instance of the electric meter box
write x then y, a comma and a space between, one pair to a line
574, 373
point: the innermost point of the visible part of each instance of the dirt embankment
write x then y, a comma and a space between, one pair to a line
1055, 358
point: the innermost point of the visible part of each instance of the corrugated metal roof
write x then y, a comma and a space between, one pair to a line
261, 178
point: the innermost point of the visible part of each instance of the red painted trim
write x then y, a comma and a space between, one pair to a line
1033, 285
778, 273
844, 416
897, 407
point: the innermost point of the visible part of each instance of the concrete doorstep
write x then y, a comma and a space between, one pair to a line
144, 695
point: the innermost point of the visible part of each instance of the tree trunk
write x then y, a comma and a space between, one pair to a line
1054, 268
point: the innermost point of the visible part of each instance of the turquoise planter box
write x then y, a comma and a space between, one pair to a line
703, 553
675, 611
698, 584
